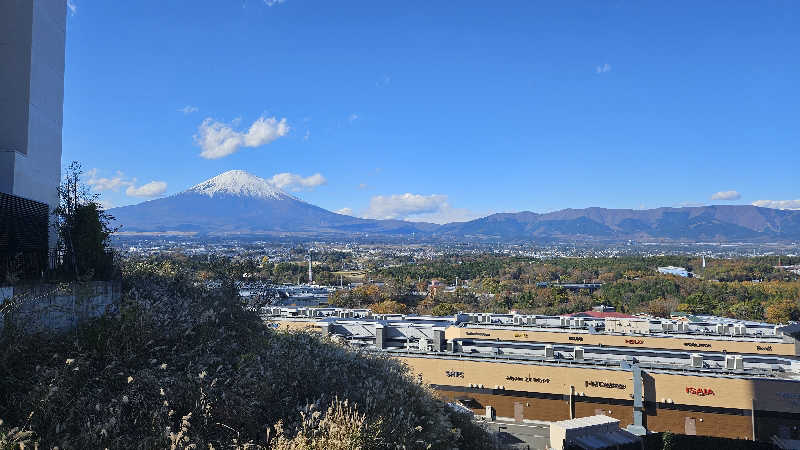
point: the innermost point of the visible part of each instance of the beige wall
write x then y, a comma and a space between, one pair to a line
695, 343
770, 395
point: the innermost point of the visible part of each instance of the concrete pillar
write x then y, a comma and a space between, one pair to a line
439, 341
380, 336
491, 414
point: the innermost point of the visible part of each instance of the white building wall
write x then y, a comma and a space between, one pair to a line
32, 44
37, 172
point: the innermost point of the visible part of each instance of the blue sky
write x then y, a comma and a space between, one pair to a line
440, 110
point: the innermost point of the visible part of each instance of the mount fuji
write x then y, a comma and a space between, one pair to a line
237, 202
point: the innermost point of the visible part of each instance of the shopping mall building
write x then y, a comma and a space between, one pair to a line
700, 376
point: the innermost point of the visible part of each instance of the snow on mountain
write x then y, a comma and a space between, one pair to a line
239, 183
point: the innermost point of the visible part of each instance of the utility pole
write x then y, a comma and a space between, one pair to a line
310, 273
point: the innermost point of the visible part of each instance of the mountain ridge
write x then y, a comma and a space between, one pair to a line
237, 202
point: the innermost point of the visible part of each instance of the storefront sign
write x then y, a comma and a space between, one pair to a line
605, 385
702, 392
634, 341
454, 374
528, 379
576, 338
520, 335
696, 344
475, 333
764, 348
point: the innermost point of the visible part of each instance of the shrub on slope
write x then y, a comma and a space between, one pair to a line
181, 366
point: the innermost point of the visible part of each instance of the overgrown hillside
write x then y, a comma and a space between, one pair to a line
184, 367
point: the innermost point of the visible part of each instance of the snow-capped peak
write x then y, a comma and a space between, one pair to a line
240, 183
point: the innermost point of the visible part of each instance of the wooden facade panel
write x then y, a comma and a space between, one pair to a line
623, 413
541, 409
734, 426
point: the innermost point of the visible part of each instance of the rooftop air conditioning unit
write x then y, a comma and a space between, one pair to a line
423, 345
730, 362
667, 326
697, 360
549, 352
721, 328
565, 322
683, 327
738, 362
578, 354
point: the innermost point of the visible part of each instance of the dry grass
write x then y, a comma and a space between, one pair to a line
182, 367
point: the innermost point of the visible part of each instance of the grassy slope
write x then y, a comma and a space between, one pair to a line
181, 365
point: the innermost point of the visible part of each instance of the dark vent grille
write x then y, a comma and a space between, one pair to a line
23, 235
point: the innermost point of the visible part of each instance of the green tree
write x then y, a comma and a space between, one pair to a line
83, 228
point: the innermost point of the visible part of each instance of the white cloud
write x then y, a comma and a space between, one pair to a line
352, 117
401, 206
73, 8
603, 69
778, 204
363, 186
151, 189
345, 211
273, 2
448, 214
726, 195
188, 109
307, 136
418, 208
102, 184
296, 183
219, 139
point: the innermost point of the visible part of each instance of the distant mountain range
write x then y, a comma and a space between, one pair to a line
239, 203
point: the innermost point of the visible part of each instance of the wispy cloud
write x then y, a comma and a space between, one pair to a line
119, 180
297, 183
73, 8
218, 139
603, 68
689, 204
151, 189
352, 117
384, 81
778, 204
273, 2
363, 186
102, 184
416, 207
307, 136
344, 211
726, 195
188, 109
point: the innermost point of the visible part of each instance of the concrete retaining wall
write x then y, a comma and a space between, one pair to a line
51, 307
